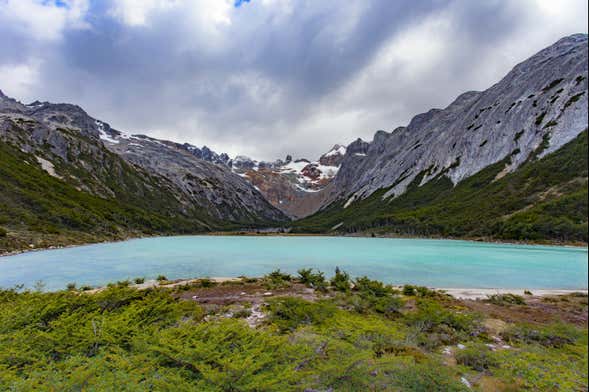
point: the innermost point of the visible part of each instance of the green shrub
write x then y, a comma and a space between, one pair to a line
312, 279
428, 376
278, 276
3, 232
341, 281
409, 290
506, 299
477, 357
139, 280
555, 335
161, 278
389, 305
435, 325
71, 286
366, 286
276, 279
290, 313
206, 282
242, 313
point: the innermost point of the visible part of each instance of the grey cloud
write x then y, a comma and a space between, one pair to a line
268, 84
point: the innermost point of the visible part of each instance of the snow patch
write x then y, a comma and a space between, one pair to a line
337, 150
295, 167
103, 135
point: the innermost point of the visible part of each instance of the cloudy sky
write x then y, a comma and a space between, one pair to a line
268, 77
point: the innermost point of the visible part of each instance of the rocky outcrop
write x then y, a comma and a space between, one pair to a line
535, 109
333, 157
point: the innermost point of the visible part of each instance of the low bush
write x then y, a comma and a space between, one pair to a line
506, 299
290, 313
139, 280
312, 279
555, 335
435, 325
341, 280
477, 357
366, 286
206, 282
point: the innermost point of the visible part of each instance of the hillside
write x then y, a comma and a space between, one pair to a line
545, 199
507, 163
63, 181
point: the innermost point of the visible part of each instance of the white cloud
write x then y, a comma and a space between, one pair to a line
137, 12
272, 76
19, 80
207, 13
42, 20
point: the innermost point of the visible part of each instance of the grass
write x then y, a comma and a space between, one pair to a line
545, 200
125, 339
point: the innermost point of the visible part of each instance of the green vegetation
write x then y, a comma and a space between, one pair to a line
544, 200
540, 118
552, 84
312, 279
341, 281
478, 357
573, 99
506, 299
44, 210
124, 339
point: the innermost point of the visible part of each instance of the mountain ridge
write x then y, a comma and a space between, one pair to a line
538, 108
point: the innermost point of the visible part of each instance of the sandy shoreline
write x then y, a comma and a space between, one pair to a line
484, 293
459, 293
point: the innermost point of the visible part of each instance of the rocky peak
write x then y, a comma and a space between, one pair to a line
8, 104
334, 156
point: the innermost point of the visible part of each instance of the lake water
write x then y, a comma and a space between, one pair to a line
434, 263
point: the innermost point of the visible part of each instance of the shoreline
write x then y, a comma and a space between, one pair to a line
482, 293
458, 293
274, 234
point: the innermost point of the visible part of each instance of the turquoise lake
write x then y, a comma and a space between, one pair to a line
434, 263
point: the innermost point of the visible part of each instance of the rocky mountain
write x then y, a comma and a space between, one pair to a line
206, 182
293, 186
507, 162
542, 101
535, 110
156, 185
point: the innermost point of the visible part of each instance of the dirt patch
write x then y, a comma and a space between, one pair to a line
537, 310
252, 293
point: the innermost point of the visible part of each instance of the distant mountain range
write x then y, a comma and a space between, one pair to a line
68, 177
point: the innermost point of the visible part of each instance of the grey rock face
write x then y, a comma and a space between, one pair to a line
538, 107
223, 193
74, 142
